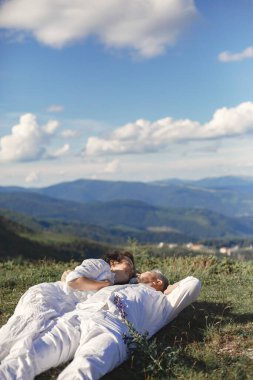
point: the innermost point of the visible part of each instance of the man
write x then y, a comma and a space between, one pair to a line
93, 334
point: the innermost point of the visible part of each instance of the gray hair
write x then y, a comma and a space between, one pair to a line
161, 277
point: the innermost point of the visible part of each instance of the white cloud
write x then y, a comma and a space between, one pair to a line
147, 27
234, 157
32, 177
51, 127
62, 151
69, 133
226, 56
54, 108
144, 136
112, 167
28, 140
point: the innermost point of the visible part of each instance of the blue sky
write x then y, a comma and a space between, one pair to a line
137, 90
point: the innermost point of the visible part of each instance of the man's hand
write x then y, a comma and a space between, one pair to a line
170, 288
64, 275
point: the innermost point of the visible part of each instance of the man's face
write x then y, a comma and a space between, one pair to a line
151, 279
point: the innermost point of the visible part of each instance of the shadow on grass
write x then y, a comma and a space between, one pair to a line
190, 326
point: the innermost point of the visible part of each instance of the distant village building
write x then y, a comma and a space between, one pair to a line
172, 245
195, 246
228, 250
225, 251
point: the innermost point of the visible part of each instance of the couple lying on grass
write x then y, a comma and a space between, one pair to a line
83, 318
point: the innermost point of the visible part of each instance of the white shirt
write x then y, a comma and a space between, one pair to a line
93, 269
145, 307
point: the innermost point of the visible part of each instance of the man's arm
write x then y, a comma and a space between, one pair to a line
184, 293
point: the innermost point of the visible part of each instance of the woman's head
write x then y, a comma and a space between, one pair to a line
122, 264
118, 255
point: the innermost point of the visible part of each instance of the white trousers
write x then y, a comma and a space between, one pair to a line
96, 346
37, 308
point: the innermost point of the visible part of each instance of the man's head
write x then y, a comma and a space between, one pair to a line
155, 279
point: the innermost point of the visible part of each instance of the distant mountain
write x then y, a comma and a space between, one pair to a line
227, 183
12, 189
130, 216
240, 184
232, 196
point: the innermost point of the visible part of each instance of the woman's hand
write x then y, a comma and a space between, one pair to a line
64, 275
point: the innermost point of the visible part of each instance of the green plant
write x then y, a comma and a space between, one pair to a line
147, 355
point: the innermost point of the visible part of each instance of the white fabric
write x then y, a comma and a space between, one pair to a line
43, 303
94, 269
92, 333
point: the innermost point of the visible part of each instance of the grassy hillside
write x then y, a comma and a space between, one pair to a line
211, 339
18, 242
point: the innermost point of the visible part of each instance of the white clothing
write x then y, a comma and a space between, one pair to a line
92, 334
42, 303
94, 269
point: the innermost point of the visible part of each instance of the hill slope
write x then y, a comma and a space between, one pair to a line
12, 245
139, 216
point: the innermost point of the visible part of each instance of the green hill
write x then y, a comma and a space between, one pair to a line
129, 217
54, 229
14, 245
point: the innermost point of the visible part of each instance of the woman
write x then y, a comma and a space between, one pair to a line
95, 274
42, 303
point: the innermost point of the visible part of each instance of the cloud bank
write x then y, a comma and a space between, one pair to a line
32, 177
55, 108
70, 133
28, 140
226, 56
144, 136
112, 167
147, 27
62, 151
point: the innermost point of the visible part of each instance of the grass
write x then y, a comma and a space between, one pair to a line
213, 337
49, 237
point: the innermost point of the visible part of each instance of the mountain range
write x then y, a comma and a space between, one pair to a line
231, 196
170, 210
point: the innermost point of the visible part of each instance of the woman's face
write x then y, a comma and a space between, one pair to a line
123, 270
